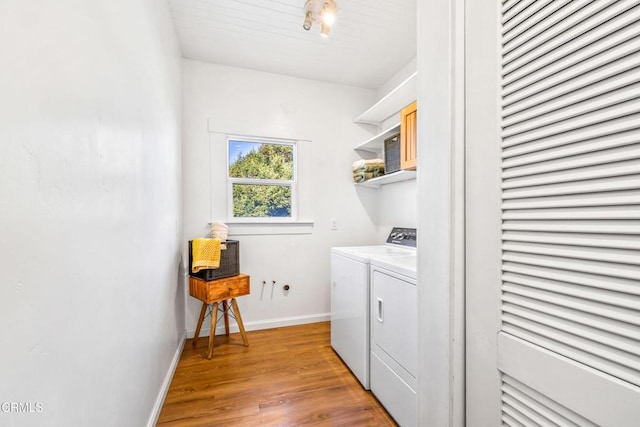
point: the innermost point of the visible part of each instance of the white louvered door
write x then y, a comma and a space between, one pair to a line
569, 344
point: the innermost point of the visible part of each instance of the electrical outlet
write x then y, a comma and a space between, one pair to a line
334, 223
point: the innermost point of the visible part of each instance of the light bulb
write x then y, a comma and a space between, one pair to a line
324, 30
329, 9
307, 21
329, 18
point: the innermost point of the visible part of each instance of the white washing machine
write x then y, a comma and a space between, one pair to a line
350, 297
394, 336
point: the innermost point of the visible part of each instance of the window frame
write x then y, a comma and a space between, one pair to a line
292, 183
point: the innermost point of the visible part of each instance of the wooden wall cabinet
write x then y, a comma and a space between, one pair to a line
408, 137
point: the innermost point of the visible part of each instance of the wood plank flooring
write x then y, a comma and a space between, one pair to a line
286, 377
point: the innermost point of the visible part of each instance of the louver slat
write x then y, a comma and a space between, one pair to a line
599, 40
572, 81
629, 93
509, 421
621, 168
555, 413
579, 23
519, 419
608, 212
512, 8
609, 304
546, 103
582, 282
618, 324
521, 20
618, 198
621, 271
576, 252
589, 120
627, 126
507, 5
531, 413
575, 187
550, 15
578, 160
586, 319
536, 411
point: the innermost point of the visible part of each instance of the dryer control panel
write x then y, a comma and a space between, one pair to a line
403, 236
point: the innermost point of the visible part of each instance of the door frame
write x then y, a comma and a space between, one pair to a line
440, 183
482, 211
457, 360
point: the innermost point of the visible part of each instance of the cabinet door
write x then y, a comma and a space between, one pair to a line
408, 137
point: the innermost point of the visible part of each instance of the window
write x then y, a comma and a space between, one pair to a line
261, 176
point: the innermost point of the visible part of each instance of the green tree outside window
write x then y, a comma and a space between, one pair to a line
262, 175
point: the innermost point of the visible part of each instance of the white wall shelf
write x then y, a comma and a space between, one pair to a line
376, 143
401, 96
398, 176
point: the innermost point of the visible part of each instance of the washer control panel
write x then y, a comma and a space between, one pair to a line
403, 236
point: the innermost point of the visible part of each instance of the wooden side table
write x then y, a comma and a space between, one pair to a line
216, 291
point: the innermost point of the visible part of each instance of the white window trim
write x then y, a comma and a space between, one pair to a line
251, 181
265, 228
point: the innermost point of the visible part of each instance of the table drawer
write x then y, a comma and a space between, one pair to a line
219, 289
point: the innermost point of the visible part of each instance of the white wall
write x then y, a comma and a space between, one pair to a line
246, 102
91, 304
398, 206
398, 77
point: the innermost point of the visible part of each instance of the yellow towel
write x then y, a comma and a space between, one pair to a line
206, 254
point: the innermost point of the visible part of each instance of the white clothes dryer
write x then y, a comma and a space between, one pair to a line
394, 336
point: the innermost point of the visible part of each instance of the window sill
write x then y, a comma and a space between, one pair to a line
259, 228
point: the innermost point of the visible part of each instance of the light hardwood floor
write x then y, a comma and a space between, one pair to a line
286, 377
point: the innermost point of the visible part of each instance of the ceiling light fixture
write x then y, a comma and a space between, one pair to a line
322, 12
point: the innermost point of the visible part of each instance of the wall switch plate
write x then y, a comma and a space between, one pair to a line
334, 223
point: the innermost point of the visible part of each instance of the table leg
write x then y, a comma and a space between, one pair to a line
236, 310
225, 308
212, 332
200, 319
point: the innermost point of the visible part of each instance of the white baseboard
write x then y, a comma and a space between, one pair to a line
157, 407
264, 324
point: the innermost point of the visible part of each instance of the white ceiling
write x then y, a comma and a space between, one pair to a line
369, 42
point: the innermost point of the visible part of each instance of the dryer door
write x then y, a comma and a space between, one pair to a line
394, 318
394, 344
